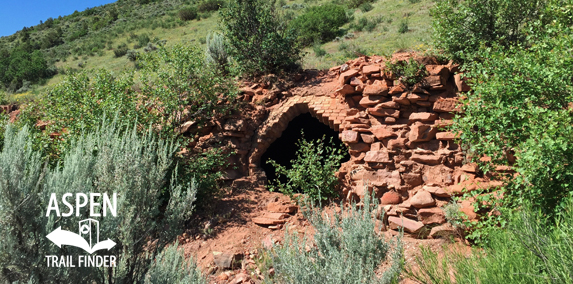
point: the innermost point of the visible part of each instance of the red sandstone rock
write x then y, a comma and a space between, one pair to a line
433, 215
409, 225
412, 179
383, 132
369, 69
398, 89
390, 197
443, 231
447, 105
345, 77
412, 97
461, 84
468, 209
349, 136
423, 116
367, 138
435, 80
441, 70
437, 191
345, 90
470, 168
426, 159
377, 157
377, 88
384, 112
369, 101
420, 132
389, 104
445, 136
281, 207
422, 199
398, 143
359, 147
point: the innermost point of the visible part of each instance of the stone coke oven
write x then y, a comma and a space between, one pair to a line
398, 143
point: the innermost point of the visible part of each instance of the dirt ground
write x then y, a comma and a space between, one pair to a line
227, 228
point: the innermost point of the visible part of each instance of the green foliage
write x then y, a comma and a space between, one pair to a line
216, 52
518, 115
120, 50
526, 252
21, 64
132, 55
408, 72
152, 204
461, 27
170, 266
345, 249
366, 23
403, 28
312, 171
319, 23
259, 39
366, 7
187, 14
353, 4
318, 50
210, 5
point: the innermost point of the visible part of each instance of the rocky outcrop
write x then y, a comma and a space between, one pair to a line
396, 134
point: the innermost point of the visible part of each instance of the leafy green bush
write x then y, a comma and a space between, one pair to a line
526, 252
312, 171
365, 23
345, 249
187, 14
320, 23
353, 4
21, 64
461, 27
366, 7
408, 72
318, 50
151, 205
259, 38
403, 28
210, 5
170, 266
120, 50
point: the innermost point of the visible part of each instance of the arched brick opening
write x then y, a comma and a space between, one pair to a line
328, 111
284, 148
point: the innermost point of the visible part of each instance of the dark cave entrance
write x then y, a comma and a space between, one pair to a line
283, 150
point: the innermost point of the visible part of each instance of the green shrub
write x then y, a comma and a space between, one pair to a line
408, 72
312, 171
403, 28
318, 50
216, 51
187, 14
320, 23
170, 266
365, 24
132, 55
461, 27
120, 50
94, 163
259, 38
353, 4
210, 5
527, 251
366, 7
345, 249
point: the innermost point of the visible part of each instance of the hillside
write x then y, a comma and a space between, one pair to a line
93, 39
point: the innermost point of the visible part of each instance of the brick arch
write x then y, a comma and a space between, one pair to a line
330, 111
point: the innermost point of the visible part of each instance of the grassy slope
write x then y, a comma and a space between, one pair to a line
384, 39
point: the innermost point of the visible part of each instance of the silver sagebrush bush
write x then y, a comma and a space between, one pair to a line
152, 205
170, 266
345, 249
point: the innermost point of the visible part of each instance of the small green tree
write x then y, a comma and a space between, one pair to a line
259, 39
312, 171
319, 23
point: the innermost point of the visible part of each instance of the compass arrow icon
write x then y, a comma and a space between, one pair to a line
62, 237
